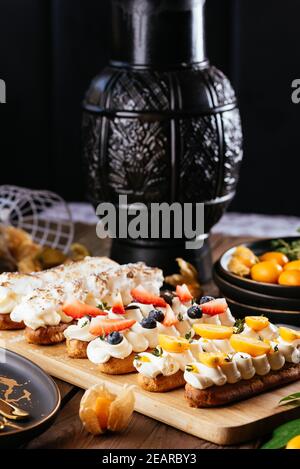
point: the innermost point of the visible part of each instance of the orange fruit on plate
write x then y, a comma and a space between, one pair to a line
257, 323
293, 265
290, 278
266, 272
244, 344
277, 257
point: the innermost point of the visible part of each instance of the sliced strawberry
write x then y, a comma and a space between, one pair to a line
106, 326
170, 317
77, 310
141, 295
118, 307
218, 306
183, 293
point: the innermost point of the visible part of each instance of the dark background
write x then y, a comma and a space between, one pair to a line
50, 50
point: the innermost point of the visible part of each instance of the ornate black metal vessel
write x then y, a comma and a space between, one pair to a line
161, 123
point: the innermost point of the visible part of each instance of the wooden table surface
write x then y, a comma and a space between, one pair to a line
143, 432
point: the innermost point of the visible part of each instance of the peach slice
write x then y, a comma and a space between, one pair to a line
257, 323
212, 359
173, 344
253, 347
213, 331
289, 335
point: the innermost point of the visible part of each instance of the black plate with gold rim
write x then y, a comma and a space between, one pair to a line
258, 247
27, 386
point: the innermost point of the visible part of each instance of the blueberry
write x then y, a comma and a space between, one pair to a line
206, 299
194, 312
157, 315
114, 338
148, 323
168, 296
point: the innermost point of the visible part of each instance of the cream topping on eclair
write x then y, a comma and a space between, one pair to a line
151, 366
100, 351
80, 331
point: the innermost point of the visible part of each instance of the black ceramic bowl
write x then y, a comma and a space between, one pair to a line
255, 298
26, 384
240, 310
258, 247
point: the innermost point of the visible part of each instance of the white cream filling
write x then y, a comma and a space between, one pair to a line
276, 360
182, 359
290, 352
261, 365
184, 327
8, 300
151, 335
100, 351
270, 332
244, 364
204, 376
80, 331
39, 312
227, 319
171, 330
164, 365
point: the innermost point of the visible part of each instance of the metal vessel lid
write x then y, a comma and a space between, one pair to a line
158, 32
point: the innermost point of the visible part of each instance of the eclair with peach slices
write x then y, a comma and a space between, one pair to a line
238, 364
162, 370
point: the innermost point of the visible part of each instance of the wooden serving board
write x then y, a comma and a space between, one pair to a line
232, 424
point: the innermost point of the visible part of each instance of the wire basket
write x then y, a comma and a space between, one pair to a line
42, 214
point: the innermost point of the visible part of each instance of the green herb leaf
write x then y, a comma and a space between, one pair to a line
239, 326
283, 434
292, 398
102, 305
228, 358
188, 335
291, 250
180, 317
189, 368
158, 351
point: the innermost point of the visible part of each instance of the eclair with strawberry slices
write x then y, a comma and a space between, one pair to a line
48, 311
111, 350
14, 287
78, 335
